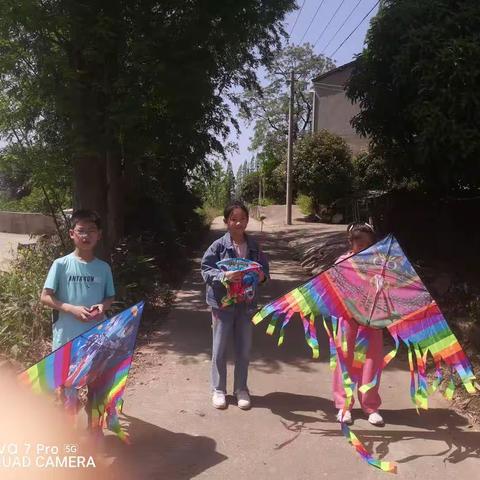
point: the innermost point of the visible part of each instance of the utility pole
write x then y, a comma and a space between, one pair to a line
259, 188
290, 150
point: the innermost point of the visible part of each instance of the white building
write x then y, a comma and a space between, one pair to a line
332, 110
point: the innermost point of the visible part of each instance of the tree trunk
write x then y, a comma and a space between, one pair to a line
115, 199
90, 191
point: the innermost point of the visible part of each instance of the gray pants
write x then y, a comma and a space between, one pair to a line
236, 320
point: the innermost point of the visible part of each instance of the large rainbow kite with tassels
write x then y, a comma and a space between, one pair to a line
100, 358
379, 288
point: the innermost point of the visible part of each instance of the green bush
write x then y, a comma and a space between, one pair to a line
25, 326
249, 188
370, 172
208, 213
34, 202
306, 204
323, 167
265, 202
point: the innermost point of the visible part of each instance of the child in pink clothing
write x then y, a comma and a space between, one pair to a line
360, 237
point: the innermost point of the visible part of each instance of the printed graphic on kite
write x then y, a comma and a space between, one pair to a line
99, 358
244, 291
378, 288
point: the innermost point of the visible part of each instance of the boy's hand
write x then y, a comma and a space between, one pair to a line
96, 312
234, 276
81, 313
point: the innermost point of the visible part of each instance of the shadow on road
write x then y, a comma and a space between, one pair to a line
157, 453
436, 425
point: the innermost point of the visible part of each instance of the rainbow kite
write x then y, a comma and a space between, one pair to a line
378, 288
99, 358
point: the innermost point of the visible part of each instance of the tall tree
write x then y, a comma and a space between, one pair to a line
417, 86
268, 106
229, 183
132, 94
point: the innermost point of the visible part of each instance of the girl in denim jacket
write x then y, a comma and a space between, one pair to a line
235, 318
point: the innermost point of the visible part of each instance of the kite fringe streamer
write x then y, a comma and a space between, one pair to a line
385, 466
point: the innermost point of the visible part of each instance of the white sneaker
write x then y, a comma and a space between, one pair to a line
243, 399
376, 419
347, 417
219, 400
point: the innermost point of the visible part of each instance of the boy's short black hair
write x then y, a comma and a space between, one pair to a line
84, 214
230, 208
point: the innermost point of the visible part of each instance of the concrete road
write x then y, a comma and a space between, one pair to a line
290, 433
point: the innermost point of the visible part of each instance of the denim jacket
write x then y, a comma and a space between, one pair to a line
222, 249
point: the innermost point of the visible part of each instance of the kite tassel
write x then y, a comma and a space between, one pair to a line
389, 467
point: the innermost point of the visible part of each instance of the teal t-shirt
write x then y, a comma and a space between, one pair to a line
81, 284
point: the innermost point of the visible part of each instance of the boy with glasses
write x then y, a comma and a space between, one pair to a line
79, 287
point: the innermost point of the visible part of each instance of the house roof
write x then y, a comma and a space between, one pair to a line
325, 75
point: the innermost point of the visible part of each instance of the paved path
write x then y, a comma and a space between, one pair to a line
290, 433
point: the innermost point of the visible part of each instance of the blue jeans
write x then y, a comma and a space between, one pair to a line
236, 320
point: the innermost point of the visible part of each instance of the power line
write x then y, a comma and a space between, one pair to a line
329, 22
298, 15
342, 25
313, 18
355, 29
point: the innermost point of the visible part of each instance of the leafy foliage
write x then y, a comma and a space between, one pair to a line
370, 172
217, 188
269, 105
323, 167
139, 88
417, 86
23, 320
306, 204
268, 108
249, 187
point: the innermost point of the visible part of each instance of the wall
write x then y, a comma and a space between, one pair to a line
333, 111
26, 223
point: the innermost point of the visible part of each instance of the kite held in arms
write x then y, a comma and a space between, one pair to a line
243, 291
99, 358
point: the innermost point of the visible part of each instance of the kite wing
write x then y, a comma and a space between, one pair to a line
99, 358
378, 288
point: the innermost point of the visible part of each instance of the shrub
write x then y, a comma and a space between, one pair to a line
323, 167
306, 204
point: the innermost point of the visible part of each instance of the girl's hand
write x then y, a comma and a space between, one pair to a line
234, 276
261, 276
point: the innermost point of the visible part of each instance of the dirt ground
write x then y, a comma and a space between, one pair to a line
291, 431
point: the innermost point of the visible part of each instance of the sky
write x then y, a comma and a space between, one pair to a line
319, 32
